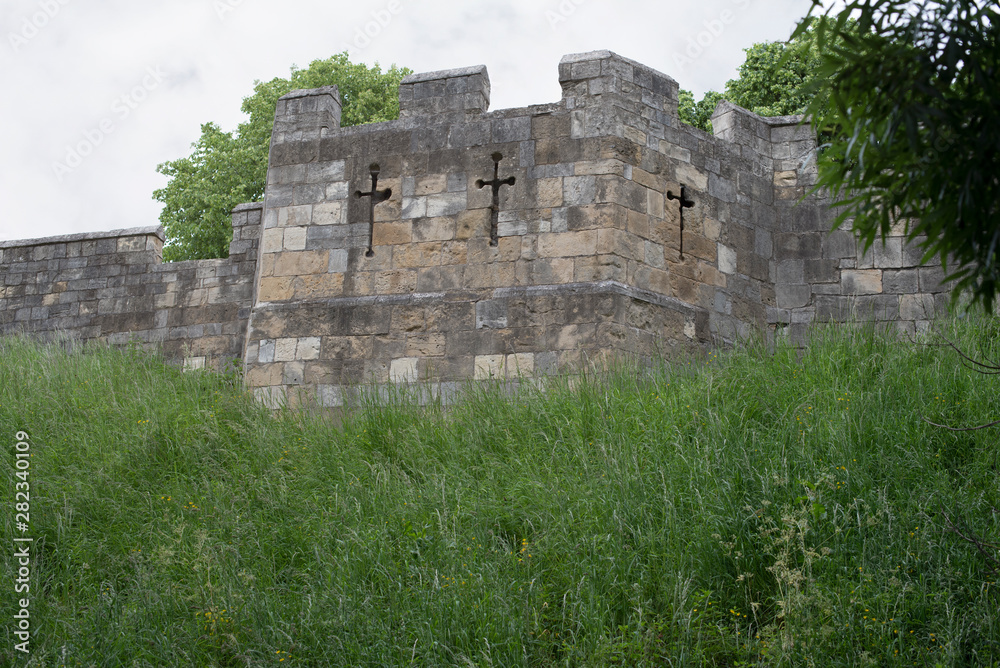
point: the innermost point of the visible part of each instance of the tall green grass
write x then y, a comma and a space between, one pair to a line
767, 506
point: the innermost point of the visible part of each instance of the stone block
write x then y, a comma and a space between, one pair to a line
901, 281
567, 244
916, 307
294, 238
727, 259
301, 263
404, 370
489, 367
491, 314
889, 255
792, 296
861, 281
550, 192
473, 223
284, 349
434, 229
579, 190
791, 271
308, 348
390, 234
275, 289
822, 271
446, 204
295, 216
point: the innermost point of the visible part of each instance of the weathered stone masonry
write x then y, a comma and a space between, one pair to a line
586, 263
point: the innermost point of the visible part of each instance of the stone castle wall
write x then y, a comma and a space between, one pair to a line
111, 287
580, 257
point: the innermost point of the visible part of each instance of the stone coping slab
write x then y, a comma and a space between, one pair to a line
87, 236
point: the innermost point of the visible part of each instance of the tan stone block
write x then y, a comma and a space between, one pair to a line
359, 283
295, 216
648, 278
655, 203
411, 256
453, 252
489, 366
264, 375
551, 271
318, 286
425, 345
284, 349
473, 223
635, 135
404, 370
395, 184
266, 264
390, 234
520, 365
349, 347
395, 282
329, 213
509, 249
275, 289
790, 193
550, 192
301, 263
651, 181
638, 224
861, 281
434, 229
597, 216
495, 275
295, 238
620, 242
431, 185
683, 288
388, 211
572, 337
599, 168
599, 268
50, 299
786, 179
567, 244
700, 247
273, 241
709, 275
712, 229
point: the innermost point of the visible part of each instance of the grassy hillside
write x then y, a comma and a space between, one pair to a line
770, 508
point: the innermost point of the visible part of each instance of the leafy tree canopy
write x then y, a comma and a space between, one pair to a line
226, 169
913, 107
773, 81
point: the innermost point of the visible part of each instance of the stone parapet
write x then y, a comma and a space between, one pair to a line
456, 244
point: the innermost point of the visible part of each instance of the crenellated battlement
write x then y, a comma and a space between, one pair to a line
458, 243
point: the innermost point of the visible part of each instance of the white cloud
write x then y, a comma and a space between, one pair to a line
69, 66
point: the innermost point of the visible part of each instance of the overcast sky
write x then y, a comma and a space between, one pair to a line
96, 94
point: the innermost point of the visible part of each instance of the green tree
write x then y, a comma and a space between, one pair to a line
913, 107
773, 81
698, 114
226, 169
